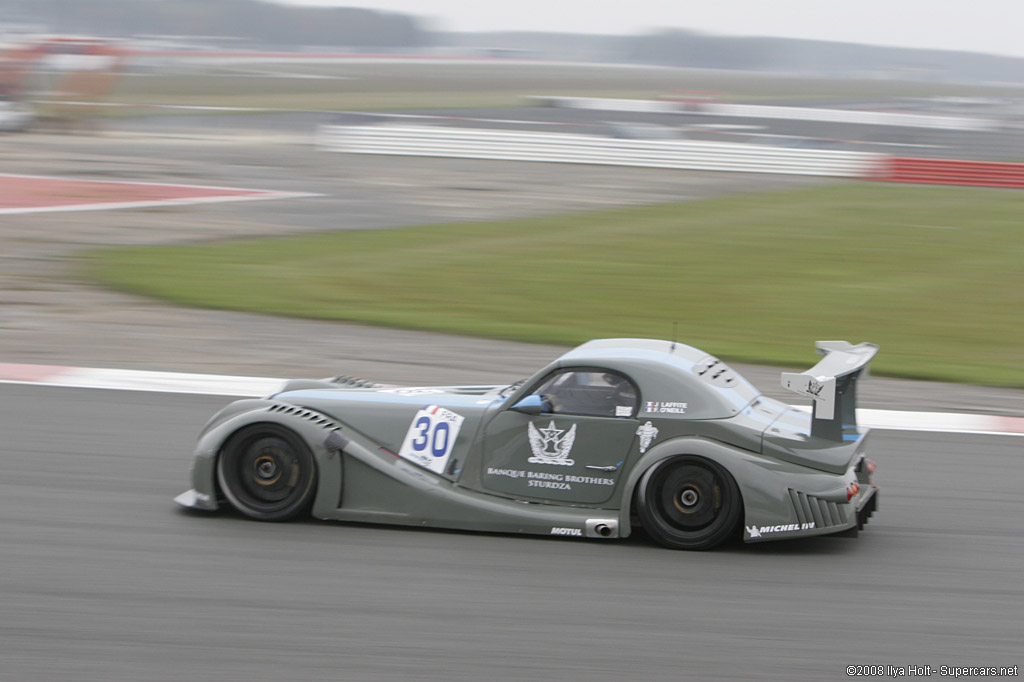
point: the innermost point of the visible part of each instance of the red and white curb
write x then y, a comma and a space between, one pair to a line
249, 387
20, 194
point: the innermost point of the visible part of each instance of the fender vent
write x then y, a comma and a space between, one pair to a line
823, 513
354, 382
715, 372
303, 413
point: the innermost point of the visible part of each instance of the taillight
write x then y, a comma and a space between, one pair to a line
852, 490
871, 467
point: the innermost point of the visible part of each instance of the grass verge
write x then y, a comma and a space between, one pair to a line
931, 274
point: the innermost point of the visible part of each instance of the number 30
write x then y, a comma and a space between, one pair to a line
436, 434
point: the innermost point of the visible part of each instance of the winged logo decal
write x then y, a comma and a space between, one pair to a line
551, 445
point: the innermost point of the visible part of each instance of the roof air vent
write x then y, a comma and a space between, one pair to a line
715, 372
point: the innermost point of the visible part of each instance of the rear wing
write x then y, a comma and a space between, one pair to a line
832, 384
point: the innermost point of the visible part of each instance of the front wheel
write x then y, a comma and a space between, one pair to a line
688, 503
267, 472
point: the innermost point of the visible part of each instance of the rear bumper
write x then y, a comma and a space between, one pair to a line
866, 508
825, 512
865, 511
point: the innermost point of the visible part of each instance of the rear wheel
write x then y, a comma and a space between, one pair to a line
267, 472
688, 503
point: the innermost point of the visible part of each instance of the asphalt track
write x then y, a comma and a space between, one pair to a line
102, 578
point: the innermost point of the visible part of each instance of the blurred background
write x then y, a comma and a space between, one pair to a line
454, 192
70, 61
402, 114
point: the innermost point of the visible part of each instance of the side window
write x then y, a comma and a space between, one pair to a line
592, 393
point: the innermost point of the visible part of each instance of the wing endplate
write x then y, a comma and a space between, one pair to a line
832, 385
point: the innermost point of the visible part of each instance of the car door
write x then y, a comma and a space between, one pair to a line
571, 444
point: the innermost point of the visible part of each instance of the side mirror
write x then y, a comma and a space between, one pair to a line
532, 405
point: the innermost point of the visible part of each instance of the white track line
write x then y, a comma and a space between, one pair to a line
138, 380
250, 387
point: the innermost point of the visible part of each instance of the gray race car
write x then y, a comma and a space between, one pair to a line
615, 434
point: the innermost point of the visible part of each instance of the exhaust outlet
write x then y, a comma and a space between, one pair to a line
602, 528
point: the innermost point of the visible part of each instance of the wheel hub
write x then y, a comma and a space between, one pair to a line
267, 471
688, 499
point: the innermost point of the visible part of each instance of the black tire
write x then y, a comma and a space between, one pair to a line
267, 472
689, 503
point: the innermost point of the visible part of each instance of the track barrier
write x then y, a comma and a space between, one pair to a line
476, 143
481, 143
952, 172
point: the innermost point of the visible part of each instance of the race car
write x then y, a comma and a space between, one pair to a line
615, 435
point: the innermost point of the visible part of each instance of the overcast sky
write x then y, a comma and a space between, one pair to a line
994, 26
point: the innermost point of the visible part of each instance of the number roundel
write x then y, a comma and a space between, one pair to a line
435, 434
431, 437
